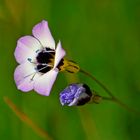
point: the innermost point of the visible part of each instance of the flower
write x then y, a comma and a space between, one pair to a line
38, 59
75, 95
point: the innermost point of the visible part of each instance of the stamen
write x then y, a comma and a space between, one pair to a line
37, 51
33, 77
30, 60
29, 75
49, 51
34, 73
45, 67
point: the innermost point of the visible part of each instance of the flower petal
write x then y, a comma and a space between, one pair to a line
42, 33
26, 48
23, 75
44, 83
60, 53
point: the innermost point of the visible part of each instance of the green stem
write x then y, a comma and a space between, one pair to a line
98, 82
117, 101
112, 97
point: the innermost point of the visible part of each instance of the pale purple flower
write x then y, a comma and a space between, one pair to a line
75, 95
38, 59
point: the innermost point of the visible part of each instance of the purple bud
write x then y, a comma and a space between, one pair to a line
75, 95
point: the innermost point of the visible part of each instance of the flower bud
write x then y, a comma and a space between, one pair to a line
75, 95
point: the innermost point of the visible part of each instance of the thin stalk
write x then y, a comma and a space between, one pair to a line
23, 117
112, 97
98, 82
115, 100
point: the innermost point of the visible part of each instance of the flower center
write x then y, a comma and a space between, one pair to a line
45, 60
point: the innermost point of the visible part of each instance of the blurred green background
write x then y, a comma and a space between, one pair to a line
103, 37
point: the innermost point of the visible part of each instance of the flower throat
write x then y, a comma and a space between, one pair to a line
45, 60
